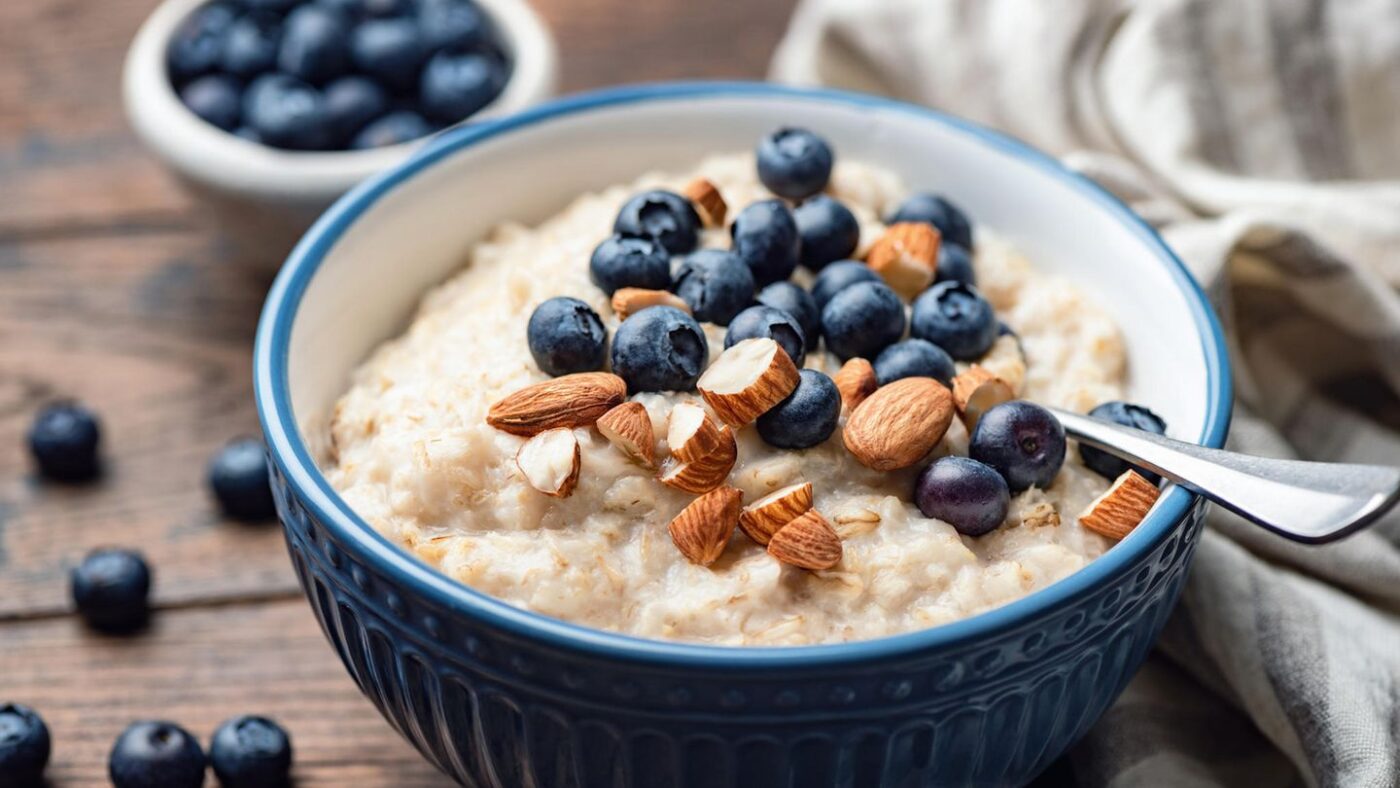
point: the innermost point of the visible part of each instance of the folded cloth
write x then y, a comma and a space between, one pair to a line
1262, 138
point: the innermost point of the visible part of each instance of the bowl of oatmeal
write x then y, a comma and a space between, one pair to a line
583, 490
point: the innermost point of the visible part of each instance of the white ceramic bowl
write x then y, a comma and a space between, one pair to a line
265, 198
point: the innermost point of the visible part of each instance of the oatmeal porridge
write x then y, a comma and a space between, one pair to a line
591, 522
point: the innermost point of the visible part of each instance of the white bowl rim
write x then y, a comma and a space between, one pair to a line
289, 451
210, 155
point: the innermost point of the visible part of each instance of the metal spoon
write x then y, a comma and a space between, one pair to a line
1310, 502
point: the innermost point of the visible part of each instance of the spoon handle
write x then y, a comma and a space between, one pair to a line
1310, 502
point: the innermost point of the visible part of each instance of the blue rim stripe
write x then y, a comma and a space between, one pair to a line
290, 453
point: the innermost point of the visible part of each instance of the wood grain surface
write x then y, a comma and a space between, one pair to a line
114, 290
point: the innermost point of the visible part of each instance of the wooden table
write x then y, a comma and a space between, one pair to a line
114, 291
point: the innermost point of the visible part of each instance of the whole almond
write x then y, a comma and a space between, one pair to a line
704, 473
976, 391
708, 202
550, 462
856, 381
628, 427
906, 257
899, 424
808, 542
628, 301
703, 528
766, 516
1119, 510
692, 433
747, 380
576, 400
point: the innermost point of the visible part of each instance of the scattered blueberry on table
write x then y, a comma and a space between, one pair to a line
251, 752
772, 323
914, 358
806, 417
565, 335
966, 494
955, 317
794, 163
765, 235
659, 349
64, 440
275, 71
111, 590
238, 477
828, 229
1128, 415
24, 746
156, 754
1022, 441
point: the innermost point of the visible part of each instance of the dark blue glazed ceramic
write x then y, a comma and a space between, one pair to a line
498, 696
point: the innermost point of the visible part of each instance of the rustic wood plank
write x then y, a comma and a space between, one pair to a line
199, 667
154, 333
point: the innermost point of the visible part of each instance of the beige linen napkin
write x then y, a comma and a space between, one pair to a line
1262, 138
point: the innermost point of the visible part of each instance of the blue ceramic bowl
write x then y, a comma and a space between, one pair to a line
494, 695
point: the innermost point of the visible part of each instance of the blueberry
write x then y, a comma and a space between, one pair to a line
198, 43
796, 302
63, 440
630, 261
238, 477
829, 231
248, 133
352, 102
24, 746
250, 47
459, 24
765, 235
964, 493
775, 324
156, 754
395, 128
456, 86
1022, 441
566, 335
862, 320
914, 358
390, 50
954, 265
665, 216
110, 589
794, 163
315, 46
659, 349
715, 283
251, 752
936, 210
287, 113
955, 317
807, 417
271, 6
837, 277
385, 8
217, 99
1129, 415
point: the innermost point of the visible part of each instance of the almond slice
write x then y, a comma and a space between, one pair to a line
906, 257
708, 202
856, 381
747, 380
703, 528
692, 433
628, 427
764, 517
704, 473
628, 301
1119, 510
808, 542
977, 391
550, 462
899, 424
576, 400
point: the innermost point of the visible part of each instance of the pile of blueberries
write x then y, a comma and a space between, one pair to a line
849, 307
336, 74
111, 591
